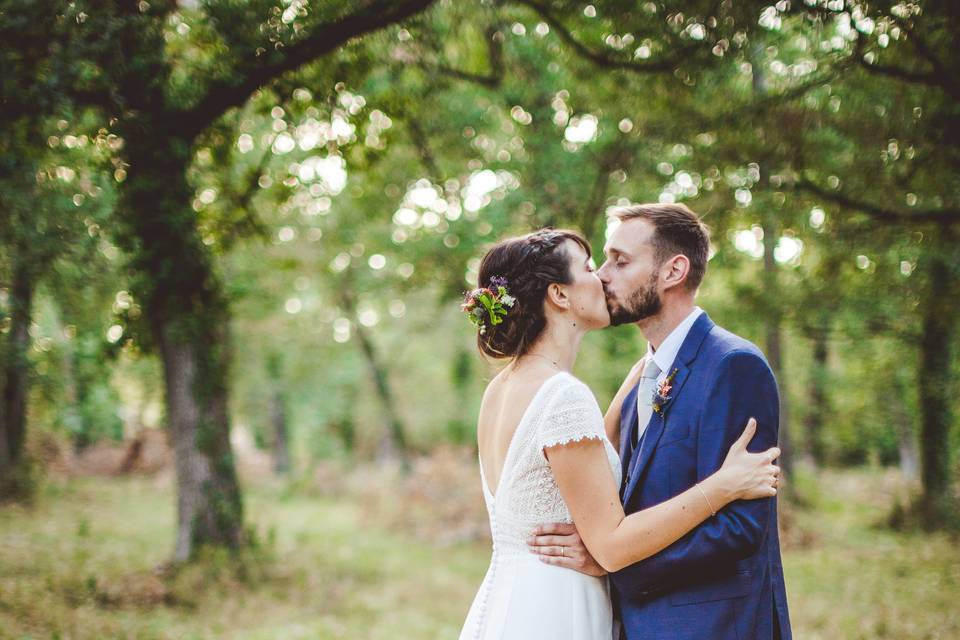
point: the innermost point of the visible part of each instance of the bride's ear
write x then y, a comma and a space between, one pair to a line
557, 296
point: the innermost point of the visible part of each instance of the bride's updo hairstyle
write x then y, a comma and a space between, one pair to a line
530, 264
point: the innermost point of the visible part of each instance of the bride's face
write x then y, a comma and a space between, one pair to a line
588, 302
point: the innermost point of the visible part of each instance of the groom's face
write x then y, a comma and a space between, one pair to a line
630, 274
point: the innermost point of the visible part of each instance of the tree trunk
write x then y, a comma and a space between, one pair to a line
281, 441
132, 455
392, 446
819, 409
345, 430
13, 412
189, 319
75, 393
903, 423
771, 291
278, 414
71, 405
934, 385
461, 427
774, 347
209, 508
6, 458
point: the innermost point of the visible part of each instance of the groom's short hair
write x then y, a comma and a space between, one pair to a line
677, 230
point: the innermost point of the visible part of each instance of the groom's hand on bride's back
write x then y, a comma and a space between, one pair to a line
559, 544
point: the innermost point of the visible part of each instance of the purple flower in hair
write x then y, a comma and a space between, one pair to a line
497, 282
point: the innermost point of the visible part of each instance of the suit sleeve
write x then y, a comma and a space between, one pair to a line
744, 387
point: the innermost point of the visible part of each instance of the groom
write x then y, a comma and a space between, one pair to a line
699, 386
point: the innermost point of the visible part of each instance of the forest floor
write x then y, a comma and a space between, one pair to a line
87, 560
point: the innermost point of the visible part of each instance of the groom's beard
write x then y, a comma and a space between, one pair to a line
642, 303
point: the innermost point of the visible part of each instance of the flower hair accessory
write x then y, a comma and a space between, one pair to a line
488, 306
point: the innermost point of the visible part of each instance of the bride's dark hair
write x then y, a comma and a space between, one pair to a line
530, 263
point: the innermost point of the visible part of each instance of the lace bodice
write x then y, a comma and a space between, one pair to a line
522, 598
562, 410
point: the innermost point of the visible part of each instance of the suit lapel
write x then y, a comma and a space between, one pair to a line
658, 421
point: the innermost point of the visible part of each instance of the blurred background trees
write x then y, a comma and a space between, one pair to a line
276, 208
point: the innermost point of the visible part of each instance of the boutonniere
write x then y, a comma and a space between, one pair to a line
661, 395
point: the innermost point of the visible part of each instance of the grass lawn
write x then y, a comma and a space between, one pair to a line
81, 563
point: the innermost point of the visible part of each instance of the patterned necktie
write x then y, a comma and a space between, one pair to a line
648, 382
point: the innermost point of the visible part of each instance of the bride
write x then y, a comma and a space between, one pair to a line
546, 456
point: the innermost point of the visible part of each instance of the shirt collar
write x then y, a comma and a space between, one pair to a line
667, 353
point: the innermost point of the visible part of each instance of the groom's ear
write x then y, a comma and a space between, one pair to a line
557, 296
675, 271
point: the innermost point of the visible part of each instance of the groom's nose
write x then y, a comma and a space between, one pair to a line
602, 273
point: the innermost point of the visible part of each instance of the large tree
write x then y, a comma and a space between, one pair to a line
163, 74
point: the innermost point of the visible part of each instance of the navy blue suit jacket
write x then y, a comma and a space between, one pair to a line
724, 579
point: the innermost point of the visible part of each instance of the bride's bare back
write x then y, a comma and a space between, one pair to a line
505, 402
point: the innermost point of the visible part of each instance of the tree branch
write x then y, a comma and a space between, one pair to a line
756, 107
663, 65
490, 80
323, 39
243, 199
925, 52
878, 212
94, 98
909, 75
939, 77
422, 146
930, 79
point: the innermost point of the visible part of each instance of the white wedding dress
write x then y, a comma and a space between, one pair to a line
522, 598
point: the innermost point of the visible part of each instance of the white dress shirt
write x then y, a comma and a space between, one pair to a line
664, 356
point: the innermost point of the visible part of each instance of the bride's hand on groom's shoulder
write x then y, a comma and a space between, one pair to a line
559, 544
748, 476
633, 378
611, 418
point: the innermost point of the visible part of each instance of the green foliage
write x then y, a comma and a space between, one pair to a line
357, 192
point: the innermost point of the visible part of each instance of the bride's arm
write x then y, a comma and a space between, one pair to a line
582, 473
611, 419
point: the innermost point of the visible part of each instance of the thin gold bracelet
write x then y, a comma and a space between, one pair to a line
703, 493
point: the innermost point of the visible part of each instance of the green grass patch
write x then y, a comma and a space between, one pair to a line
88, 560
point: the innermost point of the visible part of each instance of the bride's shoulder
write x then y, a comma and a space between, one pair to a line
567, 379
572, 389
572, 380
